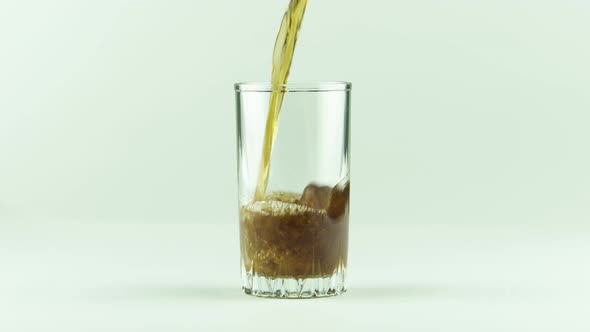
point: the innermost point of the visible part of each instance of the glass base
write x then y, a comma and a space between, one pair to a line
294, 288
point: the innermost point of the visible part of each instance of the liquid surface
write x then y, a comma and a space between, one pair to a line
281, 66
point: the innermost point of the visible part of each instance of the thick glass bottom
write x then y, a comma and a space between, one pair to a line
294, 288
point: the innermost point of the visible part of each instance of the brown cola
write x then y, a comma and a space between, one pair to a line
289, 235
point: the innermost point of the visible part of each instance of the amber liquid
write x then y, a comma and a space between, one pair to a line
292, 235
289, 235
281, 66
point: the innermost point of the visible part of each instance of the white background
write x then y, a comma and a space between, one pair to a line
470, 161
462, 111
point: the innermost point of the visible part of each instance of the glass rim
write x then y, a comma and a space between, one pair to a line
309, 86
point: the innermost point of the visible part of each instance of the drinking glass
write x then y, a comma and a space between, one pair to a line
294, 238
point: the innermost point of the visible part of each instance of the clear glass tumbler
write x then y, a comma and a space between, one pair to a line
294, 234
